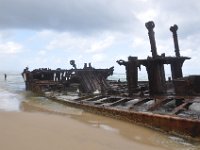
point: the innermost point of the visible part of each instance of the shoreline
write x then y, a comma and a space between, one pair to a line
25, 130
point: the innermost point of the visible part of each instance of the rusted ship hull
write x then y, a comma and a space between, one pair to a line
172, 106
167, 123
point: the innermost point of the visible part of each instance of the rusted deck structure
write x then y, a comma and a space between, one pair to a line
87, 79
155, 65
172, 106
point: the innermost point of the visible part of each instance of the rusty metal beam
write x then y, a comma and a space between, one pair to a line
96, 98
150, 26
93, 98
121, 101
111, 99
174, 29
160, 103
142, 101
180, 108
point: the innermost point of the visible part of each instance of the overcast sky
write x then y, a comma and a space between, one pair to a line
49, 33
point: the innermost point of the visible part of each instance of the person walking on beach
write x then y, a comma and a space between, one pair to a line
5, 76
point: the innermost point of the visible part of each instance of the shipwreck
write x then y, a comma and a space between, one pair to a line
171, 105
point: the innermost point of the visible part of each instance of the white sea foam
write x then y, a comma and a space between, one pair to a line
9, 101
11, 92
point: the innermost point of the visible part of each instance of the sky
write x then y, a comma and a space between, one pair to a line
50, 33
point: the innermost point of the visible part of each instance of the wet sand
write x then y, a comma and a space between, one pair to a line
38, 131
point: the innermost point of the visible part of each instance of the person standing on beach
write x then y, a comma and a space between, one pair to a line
5, 76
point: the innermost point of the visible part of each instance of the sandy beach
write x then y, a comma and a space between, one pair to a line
37, 131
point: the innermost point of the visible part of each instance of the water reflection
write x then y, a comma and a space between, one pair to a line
38, 103
140, 134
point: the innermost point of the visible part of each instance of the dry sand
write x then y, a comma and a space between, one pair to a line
36, 131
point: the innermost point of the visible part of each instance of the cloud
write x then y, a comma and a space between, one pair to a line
100, 45
10, 48
73, 15
42, 52
149, 14
98, 57
50, 33
181, 12
88, 16
66, 41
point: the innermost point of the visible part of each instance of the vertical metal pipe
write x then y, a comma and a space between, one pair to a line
150, 25
174, 29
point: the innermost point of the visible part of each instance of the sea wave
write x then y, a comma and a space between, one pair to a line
11, 91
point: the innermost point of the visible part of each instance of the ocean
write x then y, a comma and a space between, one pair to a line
14, 98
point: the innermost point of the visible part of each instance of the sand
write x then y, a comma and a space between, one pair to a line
38, 131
